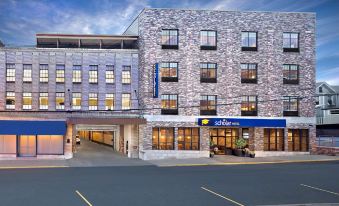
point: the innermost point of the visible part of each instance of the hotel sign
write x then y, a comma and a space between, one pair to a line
238, 122
156, 80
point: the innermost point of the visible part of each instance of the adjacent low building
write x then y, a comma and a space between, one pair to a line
181, 80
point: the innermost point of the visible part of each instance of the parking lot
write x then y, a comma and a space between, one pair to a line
270, 184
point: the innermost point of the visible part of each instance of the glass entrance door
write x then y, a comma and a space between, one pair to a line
224, 139
27, 146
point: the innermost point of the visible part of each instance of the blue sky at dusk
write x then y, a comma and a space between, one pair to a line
21, 19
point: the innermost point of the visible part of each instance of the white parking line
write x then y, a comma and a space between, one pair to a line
83, 198
334, 193
219, 195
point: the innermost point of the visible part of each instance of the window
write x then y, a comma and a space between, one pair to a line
291, 42
249, 106
188, 138
10, 72
76, 74
169, 71
27, 73
169, 104
43, 100
163, 139
93, 74
208, 72
93, 101
291, 73
109, 102
43, 72
60, 100
126, 77
224, 139
273, 139
60, 73
76, 101
126, 101
208, 105
298, 140
169, 39
109, 74
208, 40
10, 100
291, 106
248, 73
27, 100
249, 41
245, 133
320, 90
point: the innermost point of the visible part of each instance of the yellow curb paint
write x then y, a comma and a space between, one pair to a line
316, 188
249, 163
31, 167
219, 195
83, 198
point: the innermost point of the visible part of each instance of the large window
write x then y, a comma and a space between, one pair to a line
43, 100
109, 102
169, 39
208, 72
169, 104
188, 138
169, 71
291, 73
60, 100
298, 140
249, 106
43, 72
27, 100
291, 42
93, 74
76, 101
126, 77
10, 100
126, 101
248, 73
291, 105
27, 73
77, 76
208, 40
224, 139
249, 41
163, 139
10, 72
93, 101
273, 139
208, 105
60, 73
109, 74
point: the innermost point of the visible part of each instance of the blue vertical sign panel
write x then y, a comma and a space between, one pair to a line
156, 80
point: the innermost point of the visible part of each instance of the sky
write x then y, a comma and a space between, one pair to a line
20, 20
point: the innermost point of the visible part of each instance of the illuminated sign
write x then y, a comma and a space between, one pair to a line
238, 122
156, 80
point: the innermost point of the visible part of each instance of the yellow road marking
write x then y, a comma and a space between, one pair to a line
334, 193
30, 167
83, 198
219, 195
250, 163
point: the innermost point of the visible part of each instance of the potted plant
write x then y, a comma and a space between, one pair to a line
213, 148
240, 143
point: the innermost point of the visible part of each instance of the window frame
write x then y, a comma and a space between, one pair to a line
169, 145
208, 111
41, 96
281, 138
208, 46
60, 77
290, 49
76, 96
292, 135
27, 95
10, 72
248, 69
93, 97
109, 96
27, 77
289, 112
129, 100
169, 68
126, 77
43, 70
289, 80
10, 97
168, 110
109, 78
249, 112
208, 79
93, 74
77, 78
59, 95
189, 136
169, 45
248, 47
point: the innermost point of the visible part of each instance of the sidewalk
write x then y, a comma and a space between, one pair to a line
234, 160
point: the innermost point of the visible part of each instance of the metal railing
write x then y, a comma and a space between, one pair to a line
330, 119
328, 141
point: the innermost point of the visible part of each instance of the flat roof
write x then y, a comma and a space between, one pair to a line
85, 36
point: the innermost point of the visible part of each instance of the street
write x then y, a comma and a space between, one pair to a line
266, 184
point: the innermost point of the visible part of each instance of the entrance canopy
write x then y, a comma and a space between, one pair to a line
36, 127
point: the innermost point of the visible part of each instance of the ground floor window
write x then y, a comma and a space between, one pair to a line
50, 144
188, 138
163, 138
298, 140
224, 139
7, 144
273, 139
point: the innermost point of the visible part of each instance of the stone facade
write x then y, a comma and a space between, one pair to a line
228, 56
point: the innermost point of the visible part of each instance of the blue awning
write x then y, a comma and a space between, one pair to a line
21, 127
241, 122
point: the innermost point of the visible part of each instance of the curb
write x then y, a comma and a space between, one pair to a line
251, 163
31, 167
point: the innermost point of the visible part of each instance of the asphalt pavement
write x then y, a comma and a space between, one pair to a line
266, 184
